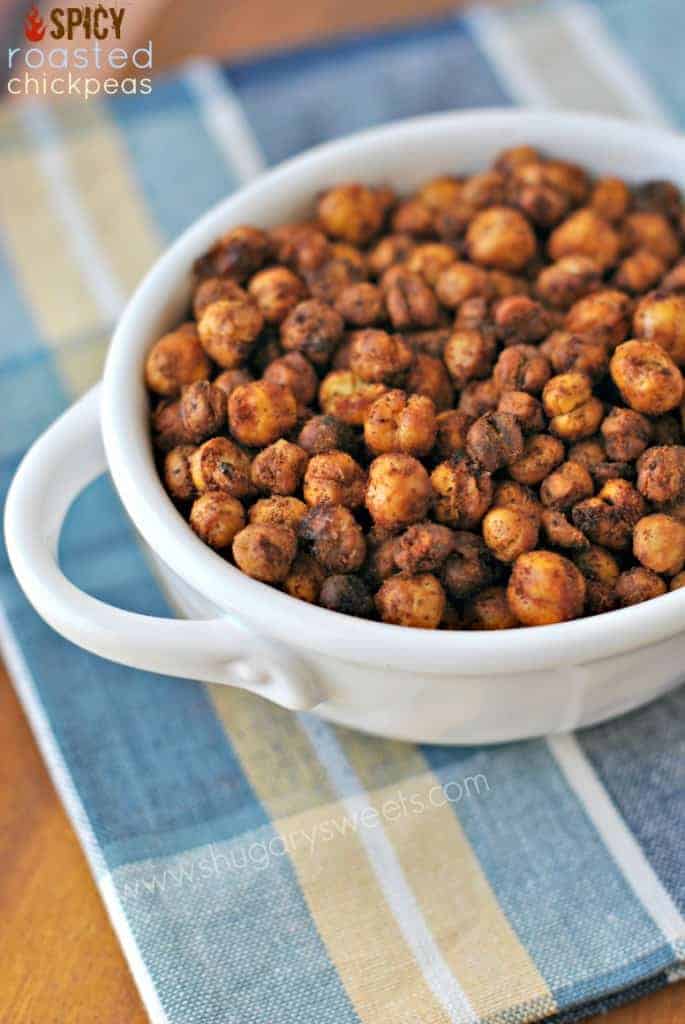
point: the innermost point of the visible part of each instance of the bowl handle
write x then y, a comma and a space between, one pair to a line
68, 457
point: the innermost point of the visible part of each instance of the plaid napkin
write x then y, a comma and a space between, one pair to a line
264, 868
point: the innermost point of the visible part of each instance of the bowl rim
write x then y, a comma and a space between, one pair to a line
308, 626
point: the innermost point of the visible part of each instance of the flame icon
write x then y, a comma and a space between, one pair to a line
34, 26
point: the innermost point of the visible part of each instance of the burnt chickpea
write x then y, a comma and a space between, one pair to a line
527, 410
567, 280
276, 291
389, 251
522, 368
603, 316
431, 342
560, 533
351, 212
460, 281
237, 254
399, 490
626, 434
216, 518
335, 538
639, 271
429, 260
177, 476
652, 231
220, 465
176, 360
609, 518
229, 380
468, 354
414, 217
469, 567
571, 352
542, 453
278, 510
423, 548
452, 428
380, 562
659, 543
334, 477
519, 319
479, 397
463, 492
610, 198
508, 532
410, 301
545, 588
637, 585
202, 410
327, 280
495, 440
440, 192
304, 579
666, 430
400, 423
490, 610
603, 472
261, 412
428, 376
295, 372
279, 468
416, 601
228, 330
361, 305
212, 289
347, 594
661, 474
313, 328
661, 318
265, 552
647, 378
167, 426
264, 354
379, 357
566, 486
324, 433
585, 233
502, 238
573, 411
347, 397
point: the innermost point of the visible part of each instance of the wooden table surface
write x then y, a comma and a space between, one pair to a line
59, 959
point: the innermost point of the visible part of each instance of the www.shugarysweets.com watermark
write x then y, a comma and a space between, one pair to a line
222, 860
70, 51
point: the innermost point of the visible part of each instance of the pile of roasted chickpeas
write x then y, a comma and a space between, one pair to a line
461, 409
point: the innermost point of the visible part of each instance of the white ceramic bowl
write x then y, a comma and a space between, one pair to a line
446, 687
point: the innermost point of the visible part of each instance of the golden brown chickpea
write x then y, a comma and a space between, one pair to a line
351, 212
603, 316
265, 552
295, 372
399, 490
176, 360
261, 412
361, 304
423, 547
334, 477
584, 233
414, 217
220, 465
490, 610
429, 260
300, 246
229, 380
305, 579
379, 357
216, 518
652, 231
486, 188
660, 318
228, 330
324, 433
335, 537
661, 474
475, 314
400, 423
428, 376
502, 285
463, 492
508, 532
637, 585
468, 354
389, 251
522, 368
588, 453
569, 178
348, 595
177, 476
571, 352
276, 291
571, 278
639, 271
519, 319
508, 160
495, 440
648, 379
545, 588
347, 397
410, 301
167, 427
572, 410
626, 434
417, 601
566, 486
542, 203
203, 410
237, 254
560, 532
314, 329
278, 510
527, 410
610, 517
440, 192
541, 454
502, 238
479, 397
678, 581
470, 567
279, 468
460, 281
610, 198
659, 543
211, 289
510, 494
452, 428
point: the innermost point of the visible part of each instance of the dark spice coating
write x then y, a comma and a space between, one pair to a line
457, 409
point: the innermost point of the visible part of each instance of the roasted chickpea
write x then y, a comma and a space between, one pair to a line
519, 319
305, 579
569, 279
261, 412
572, 409
278, 510
652, 231
228, 330
334, 477
674, 280
661, 474
603, 316
300, 246
212, 289
463, 492
178, 479
659, 197
543, 204
414, 217
666, 430
314, 329
678, 581
659, 543
527, 410
324, 433
377, 356
541, 454
216, 518
327, 280
431, 342
572, 352
610, 517
410, 301
502, 238
637, 585
522, 368
648, 379
417, 601
428, 376
495, 440
560, 532
490, 610
347, 397
430, 260
509, 160
452, 428
399, 490
348, 595
601, 573
380, 562
610, 198
265, 552
400, 423
176, 360
351, 212
295, 372
585, 233
569, 178
237, 254
278, 469
440, 192
229, 380
470, 567
588, 453
388, 252
361, 304
486, 188
660, 318
502, 285
566, 486
626, 434
423, 547
220, 465
202, 410
545, 588
460, 281
475, 314
167, 426
639, 271
468, 354
508, 532
335, 537
276, 291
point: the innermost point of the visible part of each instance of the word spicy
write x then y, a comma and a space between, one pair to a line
69, 22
